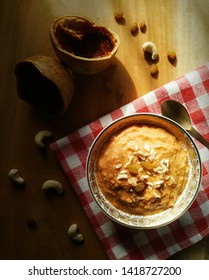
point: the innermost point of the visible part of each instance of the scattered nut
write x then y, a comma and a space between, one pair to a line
150, 48
15, 177
142, 25
134, 28
78, 237
53, 185
41, 137
154, 69
171, 55
73, 233
119, 16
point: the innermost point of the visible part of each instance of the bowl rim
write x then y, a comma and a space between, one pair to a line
102, 58
194, 147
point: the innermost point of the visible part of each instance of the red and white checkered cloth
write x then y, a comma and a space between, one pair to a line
121, 242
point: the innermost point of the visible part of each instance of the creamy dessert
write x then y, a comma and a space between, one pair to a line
142, 169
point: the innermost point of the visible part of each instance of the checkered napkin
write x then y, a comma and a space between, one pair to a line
120, 242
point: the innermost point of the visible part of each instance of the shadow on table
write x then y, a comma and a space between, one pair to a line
94, 96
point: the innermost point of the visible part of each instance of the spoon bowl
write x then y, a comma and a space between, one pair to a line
178, 113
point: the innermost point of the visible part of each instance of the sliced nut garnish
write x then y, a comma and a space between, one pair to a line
144, 177
132, 181
136, 148
158, 184
152, 154
122, 176
141, 155
130, 160
147, 147
126, 199
144, 170
164, 162
172, 178
156, 193
123, 171
118, 166
159, 170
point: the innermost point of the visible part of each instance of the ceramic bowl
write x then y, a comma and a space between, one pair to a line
185, 199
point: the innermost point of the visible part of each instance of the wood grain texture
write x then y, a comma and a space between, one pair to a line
24, 31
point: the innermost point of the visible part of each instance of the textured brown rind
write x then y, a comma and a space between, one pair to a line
77, 63
44, 82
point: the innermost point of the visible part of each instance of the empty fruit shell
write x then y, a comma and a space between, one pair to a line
45, 83
83, 46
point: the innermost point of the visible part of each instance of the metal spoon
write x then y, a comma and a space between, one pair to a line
177, 112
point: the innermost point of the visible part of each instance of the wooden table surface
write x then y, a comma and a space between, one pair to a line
24, 31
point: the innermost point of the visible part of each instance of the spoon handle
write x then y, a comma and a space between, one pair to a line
198, 136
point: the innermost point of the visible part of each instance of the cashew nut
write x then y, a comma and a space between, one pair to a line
53, 185
15, 177
41, 137
151, 48
72, 230
73, 233
78, 237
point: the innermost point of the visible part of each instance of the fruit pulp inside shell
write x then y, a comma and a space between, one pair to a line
36, 89
89, 42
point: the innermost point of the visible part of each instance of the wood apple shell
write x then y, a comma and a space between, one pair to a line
45, 83
78, 63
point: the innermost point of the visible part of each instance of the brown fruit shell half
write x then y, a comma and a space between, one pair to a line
76, 26
45, 83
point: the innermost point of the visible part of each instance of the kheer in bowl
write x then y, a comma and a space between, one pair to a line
144, 170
